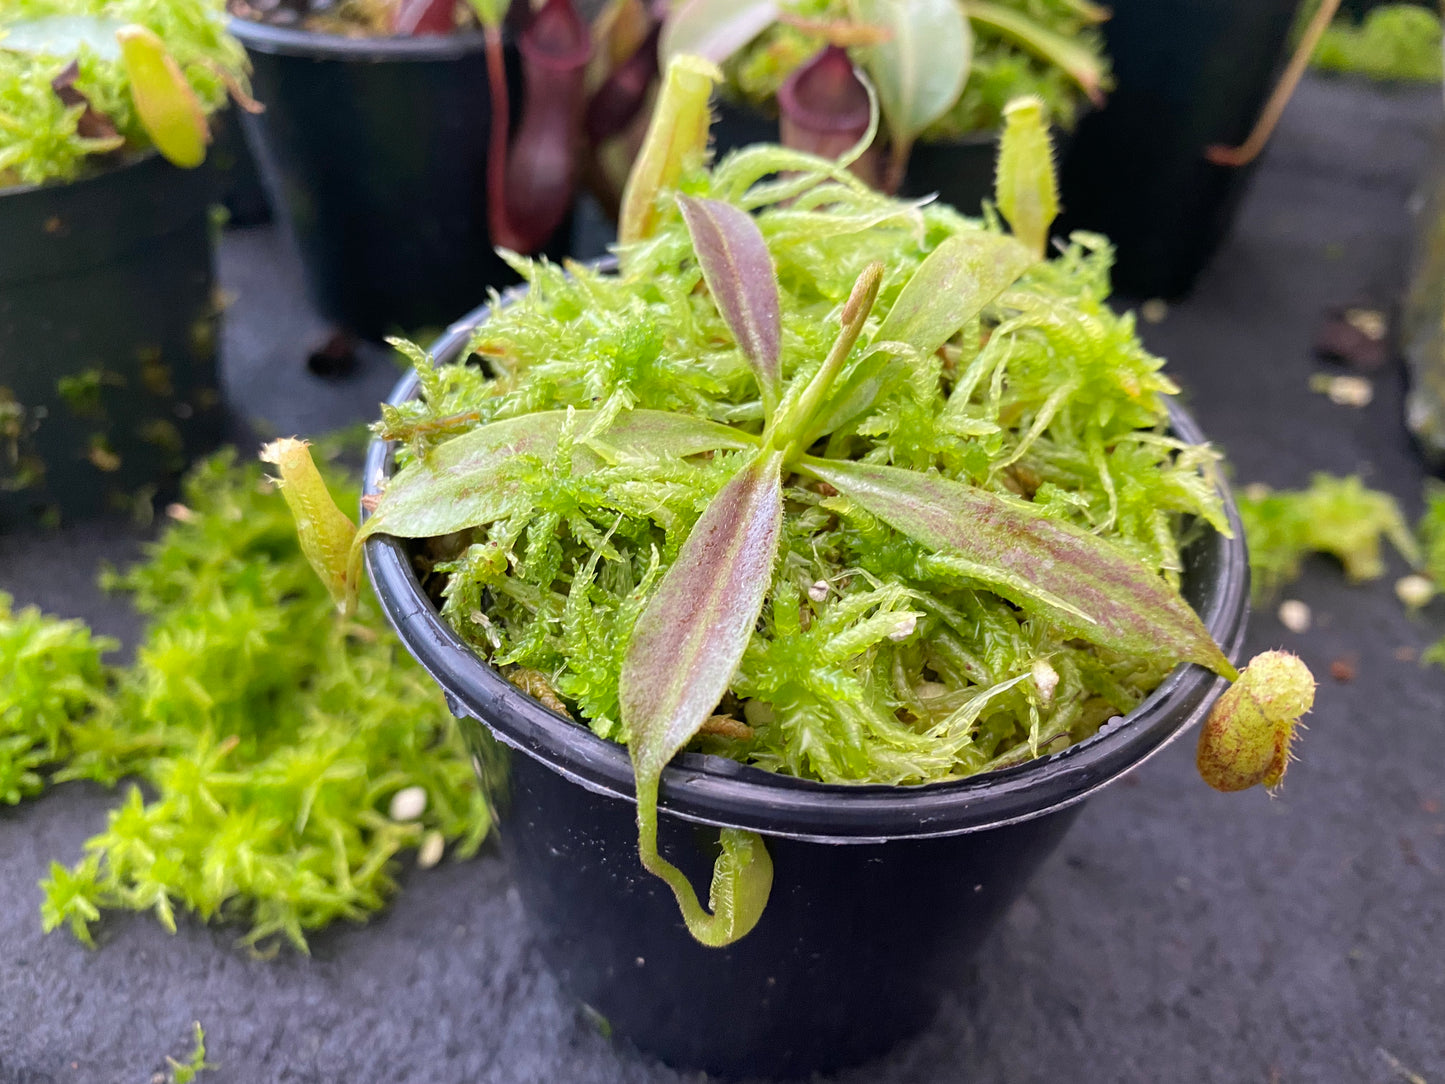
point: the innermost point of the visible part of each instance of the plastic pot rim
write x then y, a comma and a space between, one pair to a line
97, 176
292, 41
713, 790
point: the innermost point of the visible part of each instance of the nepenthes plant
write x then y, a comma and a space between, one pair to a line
90, 83
584, 91
838, 485
943, 69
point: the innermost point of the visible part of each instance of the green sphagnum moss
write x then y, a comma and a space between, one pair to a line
263, 739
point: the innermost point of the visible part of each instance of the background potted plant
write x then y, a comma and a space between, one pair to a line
943, 71
871, 509
107, 317
1190, 75
408, 140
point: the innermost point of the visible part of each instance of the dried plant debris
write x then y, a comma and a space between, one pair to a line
1357, 336
263, 744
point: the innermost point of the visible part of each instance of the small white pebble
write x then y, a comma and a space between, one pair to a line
1046, 678
1257, 491
1295, 615
819, 591
408, 804
433, 846
1154, 310
905, 628
1350, 391
1414, 591
1368, 322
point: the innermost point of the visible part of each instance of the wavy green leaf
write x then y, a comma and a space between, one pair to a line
950, 288
1088, 586
1077, 61
684, 650
920, 70
739, 273
458, 485
62, 36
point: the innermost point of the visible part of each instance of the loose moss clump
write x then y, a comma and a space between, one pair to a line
47, 135
1337, 516
268, 739
1395, 42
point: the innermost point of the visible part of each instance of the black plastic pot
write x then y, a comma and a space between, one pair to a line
880, 894
375, 151
108, 333
238, 180
1188, 73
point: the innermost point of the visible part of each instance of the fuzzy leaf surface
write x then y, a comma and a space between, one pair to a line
739, 272
1087, 585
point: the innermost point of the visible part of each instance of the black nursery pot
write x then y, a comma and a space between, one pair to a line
1188, 74
375, 151
880, 894
108, 333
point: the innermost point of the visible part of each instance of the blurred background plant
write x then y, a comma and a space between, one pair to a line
86, 83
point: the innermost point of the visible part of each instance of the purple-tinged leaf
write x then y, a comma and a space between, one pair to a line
951, 287
1087, 586
714, 29
90, 125
684, 651
459, 485
825, 109
739, 272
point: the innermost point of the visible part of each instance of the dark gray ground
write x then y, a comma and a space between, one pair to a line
1178, 935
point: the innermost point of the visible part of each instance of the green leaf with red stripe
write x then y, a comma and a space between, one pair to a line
1087, 586
739, 273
